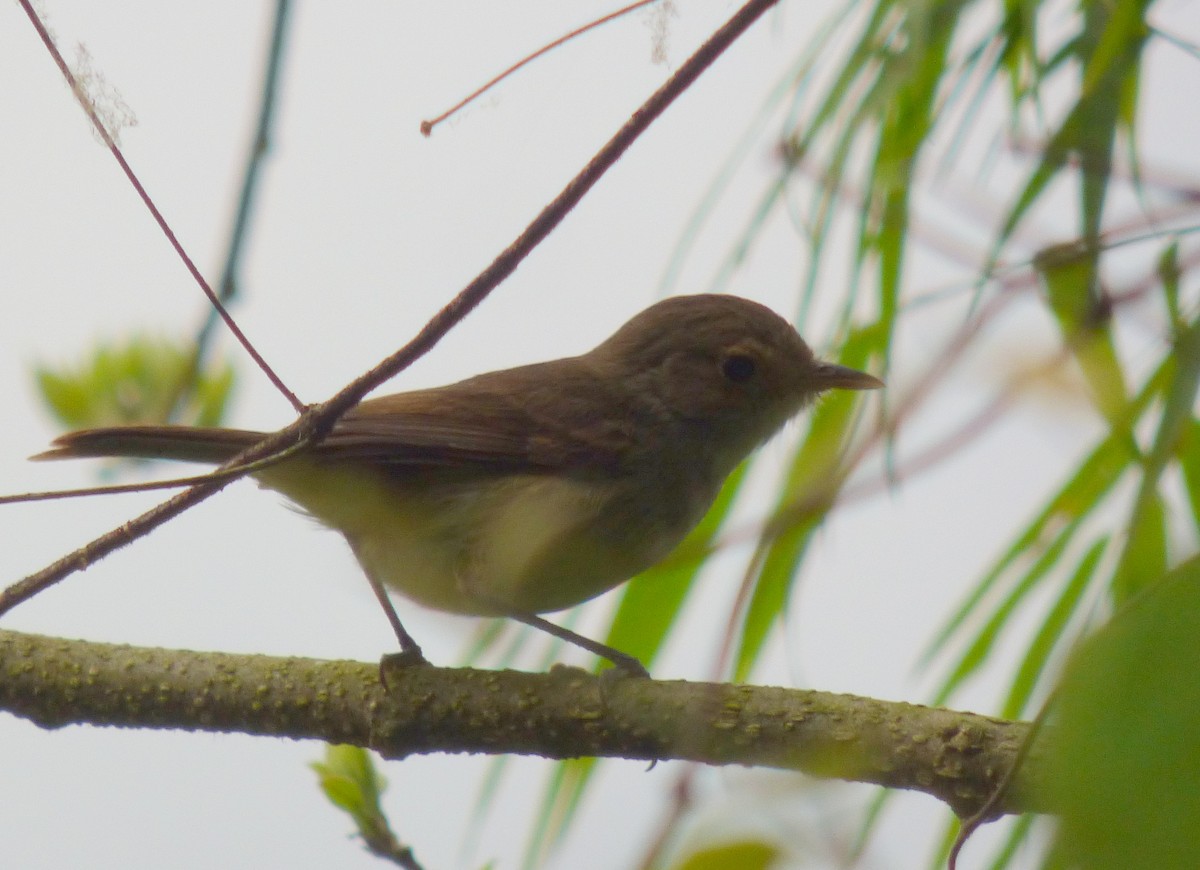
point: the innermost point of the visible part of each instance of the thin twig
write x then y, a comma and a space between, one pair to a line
559, 207
260, 146
991, 807
119, 488
229, 472
315, 422
427, 126
114, 149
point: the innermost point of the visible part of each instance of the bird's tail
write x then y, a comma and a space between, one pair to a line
185, 443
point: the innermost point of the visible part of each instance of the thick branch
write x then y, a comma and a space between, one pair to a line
955, 757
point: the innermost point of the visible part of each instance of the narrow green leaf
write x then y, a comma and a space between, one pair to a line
809, 487
1144, 558
1188, 454
1019, 53
871, 817
1081, 494
1118, 32
558, 807
1145, 553
1069, 276
1050, 635
486, 634
1018, 831
941, 850
1077, 498
1108, 47
652, 601
1169, 273
771, 589
1130, 87
650, 605
485, 798
977, 652
1054, 158
794, 80
1071, 505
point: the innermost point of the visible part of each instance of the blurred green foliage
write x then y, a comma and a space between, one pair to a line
743, 855
143, 380
1123, 758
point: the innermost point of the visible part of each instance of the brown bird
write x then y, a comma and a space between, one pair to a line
532, 489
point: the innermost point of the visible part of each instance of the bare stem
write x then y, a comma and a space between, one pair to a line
427, 126
260, 147
106, 137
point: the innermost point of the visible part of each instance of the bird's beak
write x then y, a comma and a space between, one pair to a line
830, 376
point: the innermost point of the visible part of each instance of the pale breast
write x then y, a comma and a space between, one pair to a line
527, 543
547, 543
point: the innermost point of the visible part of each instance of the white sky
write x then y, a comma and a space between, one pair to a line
365, 229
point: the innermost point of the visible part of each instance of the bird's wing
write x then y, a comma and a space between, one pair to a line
518, 422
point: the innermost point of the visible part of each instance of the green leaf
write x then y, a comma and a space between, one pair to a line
1050, 636
1018, 35
1080, 497
871, 817
1122, 758
1169, 273
771, 589
542, 837
349, 779
1188, 454
794, 80
1116, 33
1069, 275
652, 601
809, 488
743, 855
1109, 49
140, 381
1145, 555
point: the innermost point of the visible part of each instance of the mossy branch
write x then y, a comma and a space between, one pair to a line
955, 757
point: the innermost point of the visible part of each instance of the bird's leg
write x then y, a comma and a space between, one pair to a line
624, 661
410, 653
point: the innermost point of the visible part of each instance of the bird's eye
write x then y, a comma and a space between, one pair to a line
739, 368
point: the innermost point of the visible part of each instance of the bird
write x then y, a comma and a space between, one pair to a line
529, 490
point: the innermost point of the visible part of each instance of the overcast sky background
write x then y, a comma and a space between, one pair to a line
365, 229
